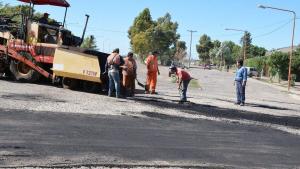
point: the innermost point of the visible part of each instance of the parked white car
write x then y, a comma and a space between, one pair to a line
251, 71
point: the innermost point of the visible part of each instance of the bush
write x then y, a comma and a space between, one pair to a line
257, 62
296, 65
279, 63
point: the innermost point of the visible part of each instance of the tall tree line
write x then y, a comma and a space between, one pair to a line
227, 52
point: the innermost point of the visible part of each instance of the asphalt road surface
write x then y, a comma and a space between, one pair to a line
49, 138
46, 126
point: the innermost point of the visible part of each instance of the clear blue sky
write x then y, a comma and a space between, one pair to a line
110, 19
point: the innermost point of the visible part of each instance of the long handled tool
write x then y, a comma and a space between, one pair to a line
141, 84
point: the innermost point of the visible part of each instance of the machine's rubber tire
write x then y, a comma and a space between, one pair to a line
91, 87
2, 66
22, 72
69, 83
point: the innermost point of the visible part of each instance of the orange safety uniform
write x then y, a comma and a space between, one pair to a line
152, 70
129, 75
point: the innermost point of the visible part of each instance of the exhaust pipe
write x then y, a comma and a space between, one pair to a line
84, 30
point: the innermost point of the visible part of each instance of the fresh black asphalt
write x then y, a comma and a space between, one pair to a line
53, 138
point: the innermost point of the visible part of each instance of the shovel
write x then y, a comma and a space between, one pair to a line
141, 84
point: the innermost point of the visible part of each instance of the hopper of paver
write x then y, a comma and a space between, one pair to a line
75, 67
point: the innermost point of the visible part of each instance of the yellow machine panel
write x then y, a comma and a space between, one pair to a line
76, 65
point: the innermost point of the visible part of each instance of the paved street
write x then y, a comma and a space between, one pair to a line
51, 138
43, 125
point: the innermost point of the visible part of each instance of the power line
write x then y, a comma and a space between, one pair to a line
251, 30
271, 24
276, 29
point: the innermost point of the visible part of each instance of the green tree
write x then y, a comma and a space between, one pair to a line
258, 62
224, 54
296, 64
247, 40
8, 10
181, 45
165, 37
256, 51
15, 14
142, 23
216, 43
140, 33
278, 62
89, 43
231, 57
235, 52
213, 52
213, 55
205, 45
147, 35
180, 50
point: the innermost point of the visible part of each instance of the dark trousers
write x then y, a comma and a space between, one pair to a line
184, 87
240, 92
129, 84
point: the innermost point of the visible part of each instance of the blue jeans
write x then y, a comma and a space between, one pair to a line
114, 83
184, 87
240, 92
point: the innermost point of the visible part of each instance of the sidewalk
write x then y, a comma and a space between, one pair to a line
283, 85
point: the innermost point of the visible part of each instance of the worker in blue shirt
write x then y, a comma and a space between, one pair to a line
240, 82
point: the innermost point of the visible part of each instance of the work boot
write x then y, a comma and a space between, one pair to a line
153, 92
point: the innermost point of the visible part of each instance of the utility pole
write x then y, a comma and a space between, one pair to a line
244, 40
293, 34
191, 31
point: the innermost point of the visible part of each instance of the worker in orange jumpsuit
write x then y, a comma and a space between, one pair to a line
152, 72
129, 74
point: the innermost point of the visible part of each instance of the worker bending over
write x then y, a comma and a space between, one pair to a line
183, 80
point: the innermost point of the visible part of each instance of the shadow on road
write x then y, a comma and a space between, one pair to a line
213, 111
280, 102
259, 105
31, 97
